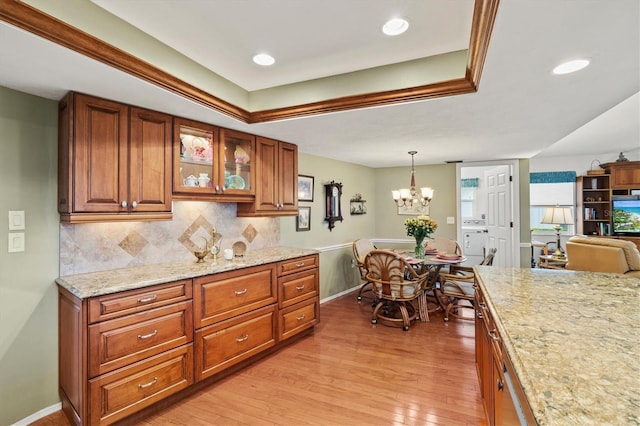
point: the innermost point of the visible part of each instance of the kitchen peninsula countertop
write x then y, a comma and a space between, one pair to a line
574, 341
115, 280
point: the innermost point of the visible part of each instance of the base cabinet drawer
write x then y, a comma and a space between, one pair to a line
297, 318
223, 296
297, 265
120, 393
222, 345
298, 287
119, 304
116, 343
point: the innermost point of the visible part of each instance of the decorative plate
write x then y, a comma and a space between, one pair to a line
234, 182
239, 248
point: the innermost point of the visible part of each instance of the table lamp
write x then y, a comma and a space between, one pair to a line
558, 216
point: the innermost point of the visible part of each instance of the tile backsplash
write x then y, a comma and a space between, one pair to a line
101, 246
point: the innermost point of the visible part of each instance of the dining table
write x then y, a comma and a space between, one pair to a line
431, 264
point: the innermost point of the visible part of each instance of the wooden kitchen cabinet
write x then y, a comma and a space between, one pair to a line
501, 392
298, 295
211, 163
122, 352
276, 191
624, 174
224, 344
114, 161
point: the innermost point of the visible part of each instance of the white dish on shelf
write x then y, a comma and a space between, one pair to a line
234, 182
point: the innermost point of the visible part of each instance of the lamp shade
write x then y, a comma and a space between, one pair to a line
557, 216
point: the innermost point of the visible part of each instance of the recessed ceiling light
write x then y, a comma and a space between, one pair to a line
264, 59
395, 26
571, 66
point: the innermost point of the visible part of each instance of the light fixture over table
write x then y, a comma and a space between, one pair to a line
410, 198
557, 216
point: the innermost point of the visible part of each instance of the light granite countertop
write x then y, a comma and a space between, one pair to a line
574, 341
112, 281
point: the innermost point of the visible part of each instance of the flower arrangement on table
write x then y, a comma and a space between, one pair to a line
420, 228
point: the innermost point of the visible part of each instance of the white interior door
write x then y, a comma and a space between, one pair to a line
499, 213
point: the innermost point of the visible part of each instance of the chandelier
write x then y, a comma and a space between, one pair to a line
409, 198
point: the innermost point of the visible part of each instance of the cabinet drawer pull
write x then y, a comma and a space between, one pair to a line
240, 292
301, 317
148, 299
146, 336
479, 315
494, 335
146, 385
242, 339
299, 265
300, 288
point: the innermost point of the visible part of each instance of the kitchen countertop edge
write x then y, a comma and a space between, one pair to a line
101, 283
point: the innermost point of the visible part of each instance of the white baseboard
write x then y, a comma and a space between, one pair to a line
40, 414
342, 293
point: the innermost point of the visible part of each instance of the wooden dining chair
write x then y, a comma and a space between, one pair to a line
397, 286
445, 245
457, 288
361, 247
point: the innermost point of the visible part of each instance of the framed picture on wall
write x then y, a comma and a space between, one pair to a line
305, 188
303, 221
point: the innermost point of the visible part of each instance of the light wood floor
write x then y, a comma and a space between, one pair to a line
348, 372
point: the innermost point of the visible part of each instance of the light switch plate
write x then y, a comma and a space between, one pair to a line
16, 220
451, 220
16, 242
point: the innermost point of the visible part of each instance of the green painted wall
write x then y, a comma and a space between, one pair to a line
28, 294
336, 273
440, 177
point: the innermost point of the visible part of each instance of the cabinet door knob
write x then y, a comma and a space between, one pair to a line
123, 204
500, 385
134, 205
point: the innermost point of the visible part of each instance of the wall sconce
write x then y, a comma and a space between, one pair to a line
409, 197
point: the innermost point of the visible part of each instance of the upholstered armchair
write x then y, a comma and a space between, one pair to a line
603, 255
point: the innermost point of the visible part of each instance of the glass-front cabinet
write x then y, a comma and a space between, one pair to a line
237, 152
212, 163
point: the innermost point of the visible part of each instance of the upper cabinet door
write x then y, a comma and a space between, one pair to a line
288, 177
237, 159
277, 180
98, 155
114, 161
211, 163
195, 155
150, 161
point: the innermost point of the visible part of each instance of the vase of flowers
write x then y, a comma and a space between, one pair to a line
420, 227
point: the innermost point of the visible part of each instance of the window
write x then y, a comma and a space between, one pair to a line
549, 189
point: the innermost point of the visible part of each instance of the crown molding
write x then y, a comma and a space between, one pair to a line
41, 24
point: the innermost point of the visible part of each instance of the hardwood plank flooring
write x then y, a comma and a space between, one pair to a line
348, 372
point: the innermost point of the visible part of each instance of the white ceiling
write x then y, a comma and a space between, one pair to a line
519, 111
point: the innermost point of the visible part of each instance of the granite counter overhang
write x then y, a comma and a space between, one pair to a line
100, 283
573, 339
